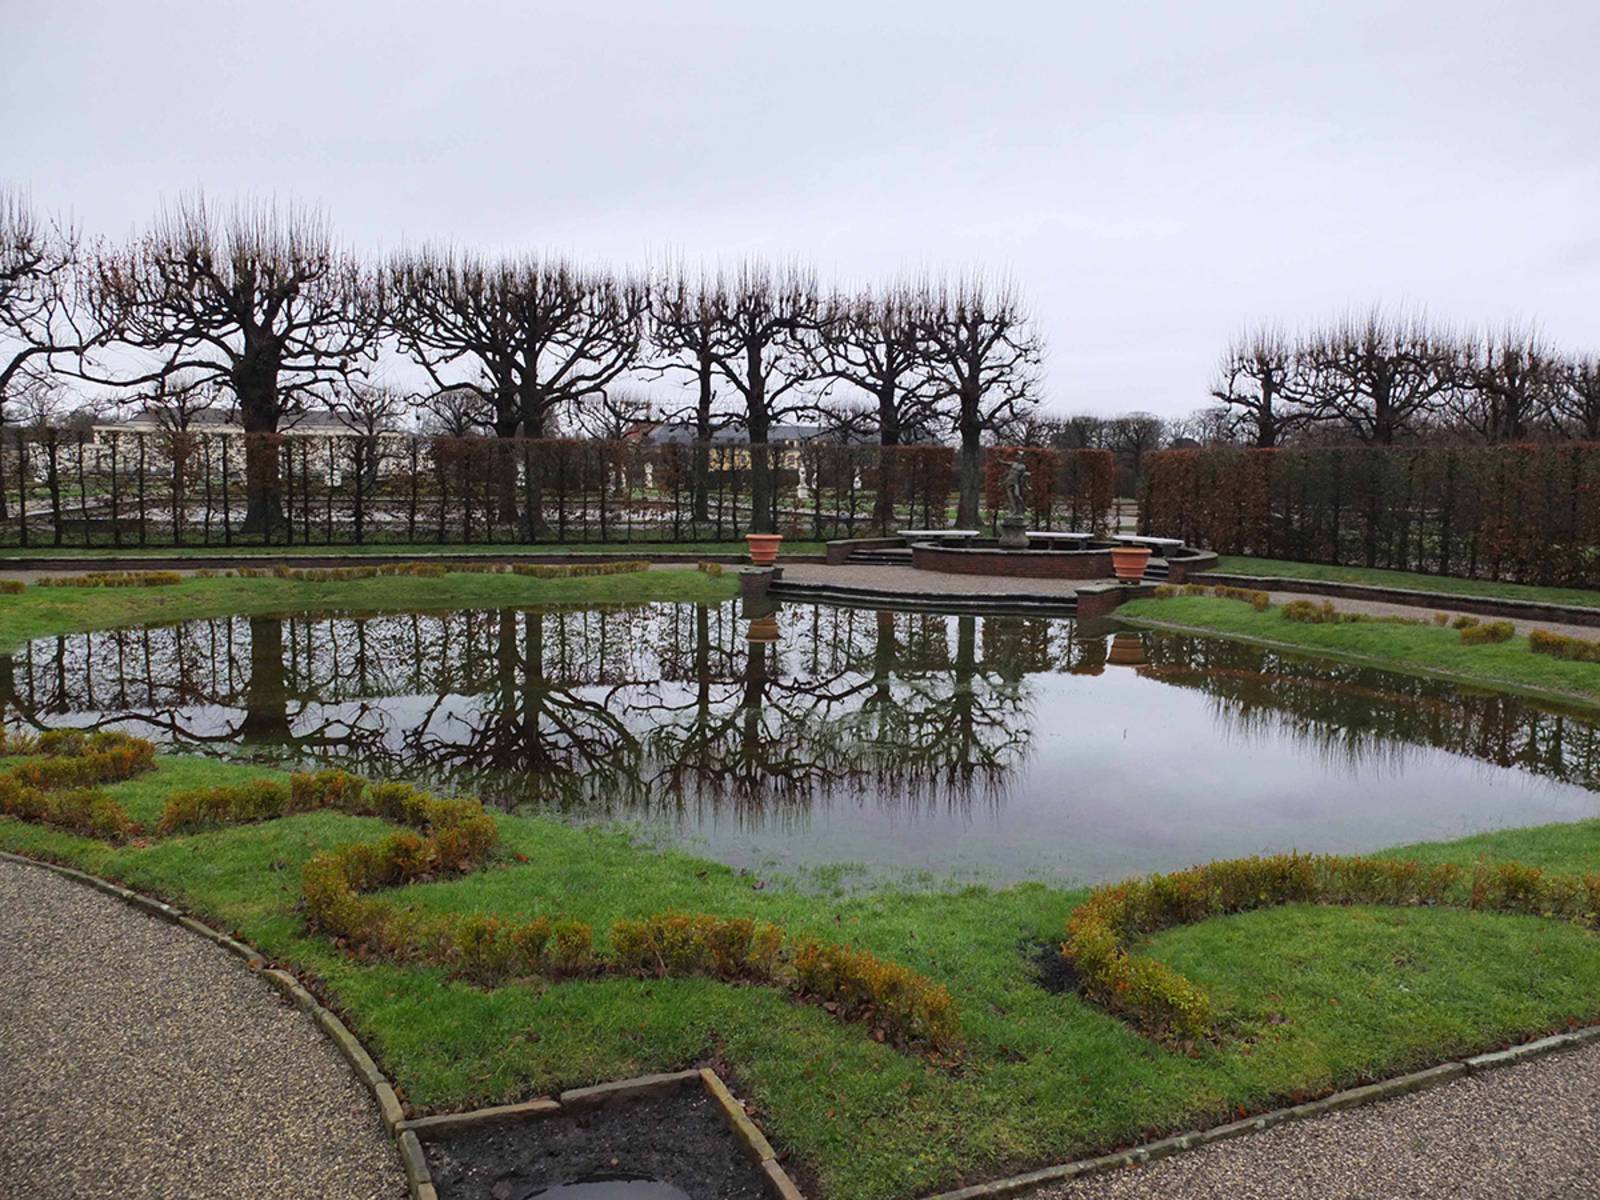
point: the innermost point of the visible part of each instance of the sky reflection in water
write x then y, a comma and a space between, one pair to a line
999, 748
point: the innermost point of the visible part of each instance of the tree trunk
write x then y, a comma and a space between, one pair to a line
700, 483
971, 484
762, 492
266, 705
257, 389
888, 440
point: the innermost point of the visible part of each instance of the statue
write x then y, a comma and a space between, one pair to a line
1016, 484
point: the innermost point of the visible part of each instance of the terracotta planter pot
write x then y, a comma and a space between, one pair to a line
764, 547
1129, 562
762, 630
1127, 650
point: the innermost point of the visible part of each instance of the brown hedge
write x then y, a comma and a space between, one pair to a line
1528, 514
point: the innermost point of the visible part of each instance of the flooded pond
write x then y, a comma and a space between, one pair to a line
995, 747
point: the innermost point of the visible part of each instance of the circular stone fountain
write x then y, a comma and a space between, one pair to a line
986, 556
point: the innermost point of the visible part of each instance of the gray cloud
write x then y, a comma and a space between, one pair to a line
1155, 175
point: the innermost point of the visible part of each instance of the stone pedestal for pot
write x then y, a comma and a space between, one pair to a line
763, 547
1129, 562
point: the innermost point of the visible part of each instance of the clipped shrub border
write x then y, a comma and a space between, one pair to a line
443, 837
1564, 645
1162, 1003
112, 579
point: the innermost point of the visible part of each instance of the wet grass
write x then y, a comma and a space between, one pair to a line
1416, 649
1320, 998
1416, 581
41, 611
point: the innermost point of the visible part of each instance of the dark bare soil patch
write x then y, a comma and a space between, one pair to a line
653, 1148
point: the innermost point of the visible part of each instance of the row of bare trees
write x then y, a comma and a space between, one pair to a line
1378, 379
261, 310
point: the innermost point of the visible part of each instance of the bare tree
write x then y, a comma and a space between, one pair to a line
869, 341
1260, 379
262, 304
455, 412
1216, 425
982, 357
39, 313
1578, 400
530, 336
615, 414
686, 335
1131, 437
766, 317
1379, 375
1512, 380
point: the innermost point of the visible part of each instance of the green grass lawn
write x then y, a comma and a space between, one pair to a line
1322, 998
1417, 649
1318, 998
1284, 569
48, 610
420, 549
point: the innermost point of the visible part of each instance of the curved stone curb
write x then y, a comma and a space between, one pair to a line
576, 1101
1358, 1097
349, 1046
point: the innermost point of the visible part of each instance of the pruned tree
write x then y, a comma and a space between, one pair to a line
1261, 380
529, 336
614, 414
1380, 376
766, 318
262, 303
685, 335
1131, 437
454, 412
1511, 381
982, 358
1578, 399
868, 341
40, 316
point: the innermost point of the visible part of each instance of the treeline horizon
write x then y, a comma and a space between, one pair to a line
260, 312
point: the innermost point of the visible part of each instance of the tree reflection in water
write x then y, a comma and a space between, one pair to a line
678, 709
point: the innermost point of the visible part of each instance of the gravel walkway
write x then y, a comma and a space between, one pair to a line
890, 578
137, 1060
1530, 1132
1384, 608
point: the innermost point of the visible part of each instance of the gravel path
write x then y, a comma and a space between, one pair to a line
1384, 608
1530, 1132
892, 578
137, 1060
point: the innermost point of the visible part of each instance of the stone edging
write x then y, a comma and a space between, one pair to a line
349, 1046
1389, 1089
581, 1100
1488, 606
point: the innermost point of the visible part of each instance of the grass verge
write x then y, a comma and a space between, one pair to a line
1318, 998
1416, 649
1284, 569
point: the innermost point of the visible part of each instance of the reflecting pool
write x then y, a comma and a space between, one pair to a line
998, 747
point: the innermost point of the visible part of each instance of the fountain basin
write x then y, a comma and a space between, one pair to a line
985, 556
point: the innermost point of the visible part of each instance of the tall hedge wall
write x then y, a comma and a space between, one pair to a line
1527, 514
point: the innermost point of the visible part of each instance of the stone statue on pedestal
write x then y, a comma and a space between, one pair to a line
1014, 525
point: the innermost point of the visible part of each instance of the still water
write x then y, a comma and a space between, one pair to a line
997, 748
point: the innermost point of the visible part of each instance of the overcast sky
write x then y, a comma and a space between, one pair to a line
1156, 176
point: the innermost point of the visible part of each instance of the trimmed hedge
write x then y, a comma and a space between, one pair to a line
1520, 513
113, 579
1488, 631
12, 587
1564, 645
1163, 1003
58, 787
